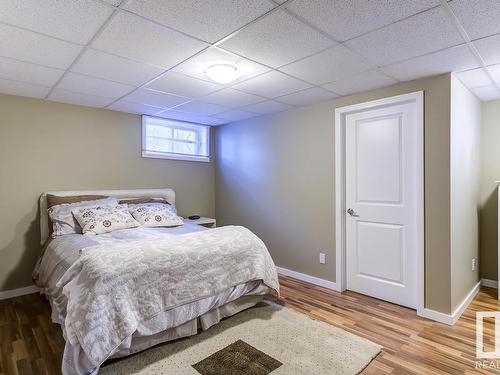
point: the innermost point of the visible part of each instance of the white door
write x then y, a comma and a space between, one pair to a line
382, 183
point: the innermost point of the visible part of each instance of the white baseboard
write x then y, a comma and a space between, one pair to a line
489, 283
452, 318
437, 316
19, 292
308, 278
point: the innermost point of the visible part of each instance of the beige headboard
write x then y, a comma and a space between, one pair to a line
165, 193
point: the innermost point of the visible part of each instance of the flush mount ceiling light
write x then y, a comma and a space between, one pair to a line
222, 73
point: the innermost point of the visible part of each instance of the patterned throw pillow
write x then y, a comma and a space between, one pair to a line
104, 219
62, 219
155, 215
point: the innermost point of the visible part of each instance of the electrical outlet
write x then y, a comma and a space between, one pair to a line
473, 264
322, 258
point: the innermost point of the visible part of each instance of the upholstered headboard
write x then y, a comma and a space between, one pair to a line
165, 193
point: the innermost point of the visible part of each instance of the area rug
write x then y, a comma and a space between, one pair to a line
266, 339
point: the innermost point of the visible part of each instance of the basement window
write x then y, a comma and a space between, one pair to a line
172, 139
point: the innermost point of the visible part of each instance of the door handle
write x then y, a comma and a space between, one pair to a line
351, 212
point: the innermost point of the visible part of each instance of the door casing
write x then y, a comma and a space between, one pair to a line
340, 186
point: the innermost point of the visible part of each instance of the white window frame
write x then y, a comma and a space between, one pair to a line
170, 155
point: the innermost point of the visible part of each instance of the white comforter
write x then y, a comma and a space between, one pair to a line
115, 285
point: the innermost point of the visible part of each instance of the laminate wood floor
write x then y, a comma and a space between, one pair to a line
31, 344
412, 345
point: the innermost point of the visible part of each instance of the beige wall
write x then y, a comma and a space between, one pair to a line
465, 189
52, 146
490, 173
275, 175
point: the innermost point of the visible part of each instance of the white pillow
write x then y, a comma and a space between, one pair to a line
104, 219
155, 215
62, 218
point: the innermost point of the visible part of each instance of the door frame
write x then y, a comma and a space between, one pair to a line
340, 187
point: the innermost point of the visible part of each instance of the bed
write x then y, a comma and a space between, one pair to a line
121, 292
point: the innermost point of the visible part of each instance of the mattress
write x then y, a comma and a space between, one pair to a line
62, 252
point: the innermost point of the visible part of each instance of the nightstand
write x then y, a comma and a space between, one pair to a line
205, 221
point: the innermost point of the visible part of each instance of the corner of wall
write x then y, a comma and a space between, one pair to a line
490, 172
465, 165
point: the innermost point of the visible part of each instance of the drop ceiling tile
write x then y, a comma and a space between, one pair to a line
73, 20
330, 65
141, 40
155, 98
346, 19
35, 48
59, 95
236, 115
267, 107
277, 39
219, 121
271, 85
131, 107
180, 84
208, 20
201, 108
360, 82
478, 17
113, 68
489, 49
189, 117
420, 34
93, 86
487, 92
22, 89
449, 60
232, 98
196, 66
495, 72
474, 78
308, 96
30, 73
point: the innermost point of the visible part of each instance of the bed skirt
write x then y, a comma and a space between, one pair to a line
153, 332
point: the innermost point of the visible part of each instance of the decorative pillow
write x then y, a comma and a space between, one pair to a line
140, 201
104, 219
155, 215
62, 218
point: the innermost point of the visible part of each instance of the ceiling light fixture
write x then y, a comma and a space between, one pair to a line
222, 73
